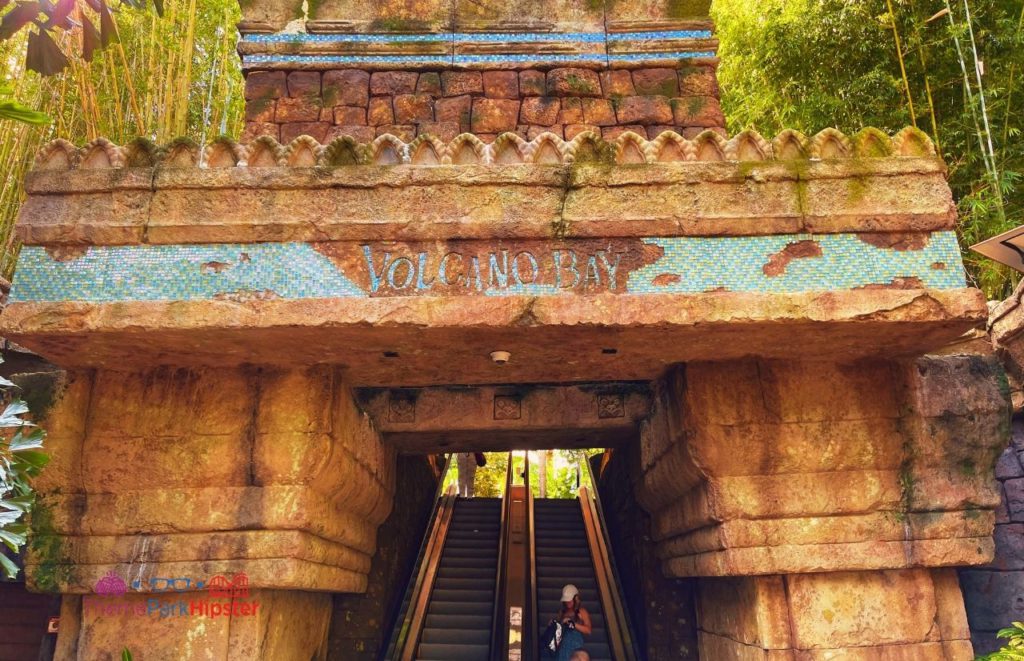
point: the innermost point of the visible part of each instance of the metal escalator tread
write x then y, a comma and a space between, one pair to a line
563, 556
458, 621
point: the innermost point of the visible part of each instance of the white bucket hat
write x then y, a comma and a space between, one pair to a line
569, 592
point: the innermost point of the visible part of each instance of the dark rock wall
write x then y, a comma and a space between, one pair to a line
361, 623
994, 593
662, 609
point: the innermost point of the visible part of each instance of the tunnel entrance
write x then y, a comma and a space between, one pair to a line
516, 569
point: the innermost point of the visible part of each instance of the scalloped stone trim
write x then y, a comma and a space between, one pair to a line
546, 149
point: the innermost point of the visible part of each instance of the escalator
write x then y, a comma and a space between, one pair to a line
490, 573
563, 556
459, 612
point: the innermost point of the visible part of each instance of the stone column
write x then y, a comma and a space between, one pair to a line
162, 480
820, 502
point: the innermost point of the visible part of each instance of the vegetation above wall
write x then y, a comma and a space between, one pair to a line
164, 77
950, 67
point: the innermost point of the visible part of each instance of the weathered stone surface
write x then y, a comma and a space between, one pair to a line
316, 130
542, 110
222, 204
266, 85
254, 130
644, 110
304, 84
429, 83
268, 624
457, 83
656, 82
393, 82
544, 416
410, 108
573, 82
260, 110
359, 133
719, 326
501, 84
347, 87
454, 109
698, 81
908, 614
288, 489
380, 112
713, 515
571, 112
349, 116
494, 115
532, 83
302, 109
617, 83
699, 111
598, 112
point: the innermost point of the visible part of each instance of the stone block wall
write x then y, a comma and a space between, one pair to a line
565, 101
827, 496
362, 623
185, 474
994, 593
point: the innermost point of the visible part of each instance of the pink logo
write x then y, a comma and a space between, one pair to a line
111, 585
237, 588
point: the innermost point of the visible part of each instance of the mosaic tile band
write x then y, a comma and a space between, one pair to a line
444, 60
478, 37
684, 265
594, 48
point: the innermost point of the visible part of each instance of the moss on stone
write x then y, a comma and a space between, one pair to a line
396, 24
40, 390
578, 84
54, 568
688, 8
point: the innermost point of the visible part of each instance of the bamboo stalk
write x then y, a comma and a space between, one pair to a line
903, 68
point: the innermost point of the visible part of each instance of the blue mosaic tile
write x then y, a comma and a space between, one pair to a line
621, 38
298, 271
477, 37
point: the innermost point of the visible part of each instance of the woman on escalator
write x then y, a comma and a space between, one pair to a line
575, 621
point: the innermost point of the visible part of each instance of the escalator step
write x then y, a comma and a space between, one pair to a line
477, 596
429, 652
473, 621
448, 636
453, 608
458, 583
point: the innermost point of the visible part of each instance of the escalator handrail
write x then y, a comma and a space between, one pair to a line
410, 622
427, 575
498, 639
532, 636
402, 618
624, 646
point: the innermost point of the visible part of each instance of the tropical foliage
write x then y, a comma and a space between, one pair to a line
21, 459
950, 67
1014, 648
159, 78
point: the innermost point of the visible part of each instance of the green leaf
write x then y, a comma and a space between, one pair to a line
20, 503
33, 458
32, 441
16, 112
126, 655
10, 569
13, 541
